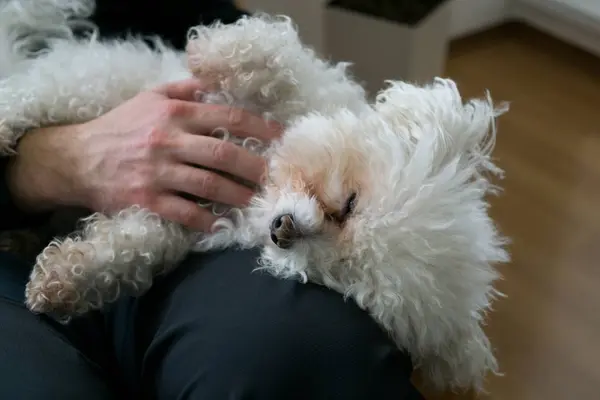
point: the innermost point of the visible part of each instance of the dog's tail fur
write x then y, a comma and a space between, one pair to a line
28, 27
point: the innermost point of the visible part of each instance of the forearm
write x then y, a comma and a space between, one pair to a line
11, 215
38, 178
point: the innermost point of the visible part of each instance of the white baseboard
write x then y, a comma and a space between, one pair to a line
565, 20
574, 21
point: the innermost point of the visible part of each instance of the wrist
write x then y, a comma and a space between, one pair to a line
43, 174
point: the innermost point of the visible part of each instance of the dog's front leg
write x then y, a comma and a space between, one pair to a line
110, 257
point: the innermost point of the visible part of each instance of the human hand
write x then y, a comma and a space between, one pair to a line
147, 152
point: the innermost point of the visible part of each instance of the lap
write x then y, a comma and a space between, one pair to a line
211, 329
216, 329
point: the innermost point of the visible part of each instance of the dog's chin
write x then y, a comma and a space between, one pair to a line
309, 258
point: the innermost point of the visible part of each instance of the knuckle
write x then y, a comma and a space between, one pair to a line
224, 153
188, 216
140, 186
140, 196
157, 138
174, 109
237, 118
209, 185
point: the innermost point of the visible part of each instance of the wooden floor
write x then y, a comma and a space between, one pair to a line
547, 332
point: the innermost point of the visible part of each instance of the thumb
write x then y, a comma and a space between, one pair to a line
186, 90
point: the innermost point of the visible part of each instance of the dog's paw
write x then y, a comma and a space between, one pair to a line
58, 284
47, 293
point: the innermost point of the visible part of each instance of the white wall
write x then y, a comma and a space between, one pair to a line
470, 16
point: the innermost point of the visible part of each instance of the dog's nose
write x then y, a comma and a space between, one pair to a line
283, 230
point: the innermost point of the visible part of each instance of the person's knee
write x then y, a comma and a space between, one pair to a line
317, 346
345, 343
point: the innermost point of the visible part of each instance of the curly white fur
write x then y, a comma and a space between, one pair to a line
417, 248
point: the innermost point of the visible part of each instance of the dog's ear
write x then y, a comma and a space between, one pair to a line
448, 145
436, 116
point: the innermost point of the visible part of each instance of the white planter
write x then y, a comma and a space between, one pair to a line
381, 50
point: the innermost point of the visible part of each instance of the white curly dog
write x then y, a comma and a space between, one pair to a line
383, 201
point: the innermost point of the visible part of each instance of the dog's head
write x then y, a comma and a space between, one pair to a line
389, 206
399, 181
320, 190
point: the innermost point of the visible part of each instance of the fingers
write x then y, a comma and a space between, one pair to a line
184, 212
205, 184
182, 90
219, 155
205, 118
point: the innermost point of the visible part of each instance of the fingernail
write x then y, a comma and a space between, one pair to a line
264, 177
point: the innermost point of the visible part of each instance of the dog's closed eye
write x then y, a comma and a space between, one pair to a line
349, 206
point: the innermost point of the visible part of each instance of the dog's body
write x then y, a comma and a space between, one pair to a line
384, 202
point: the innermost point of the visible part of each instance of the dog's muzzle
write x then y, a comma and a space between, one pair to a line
284, 231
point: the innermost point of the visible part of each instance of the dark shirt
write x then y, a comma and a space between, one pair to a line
169, 19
